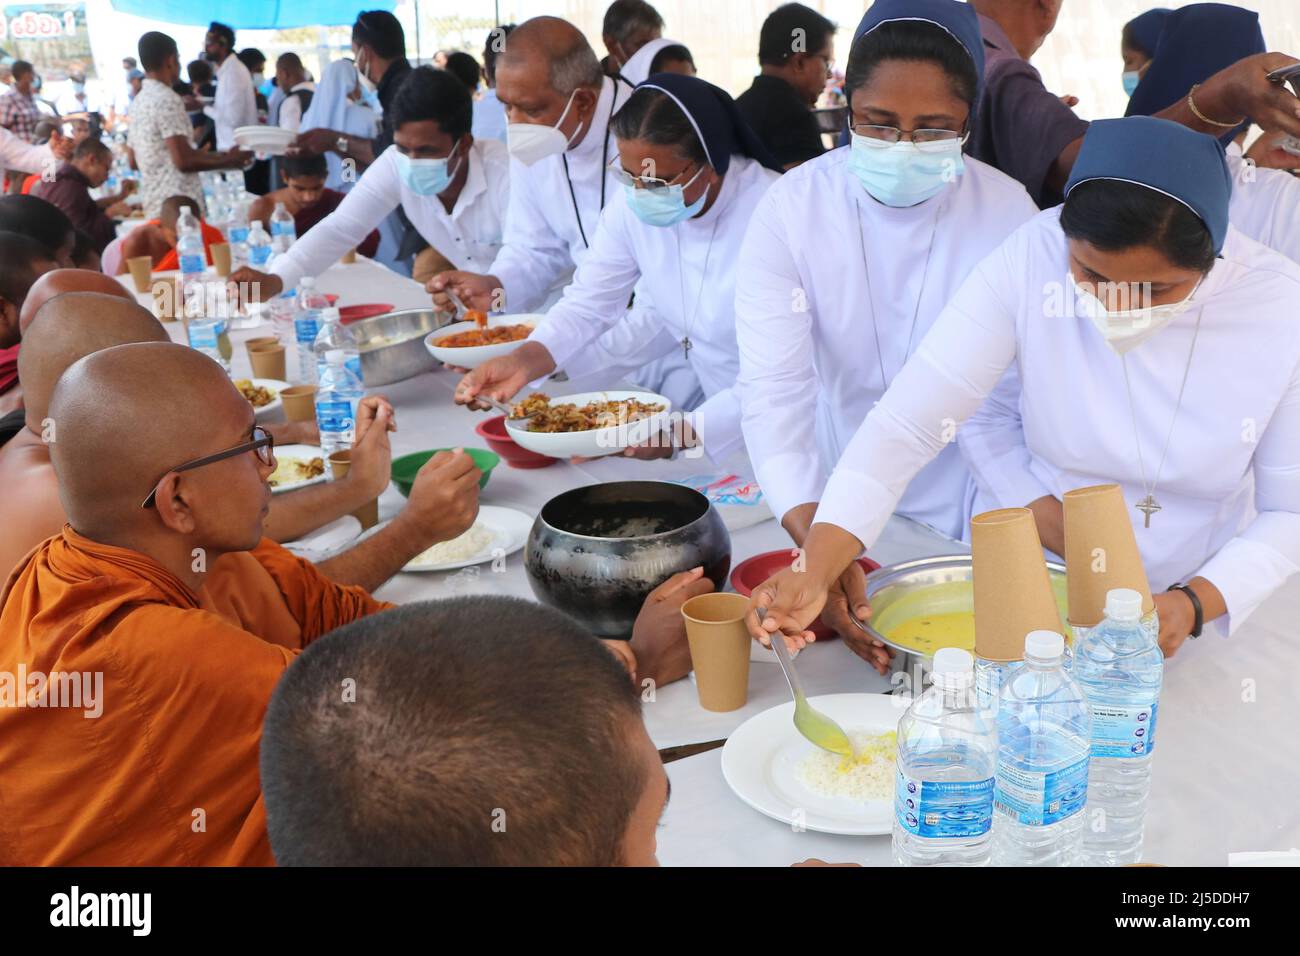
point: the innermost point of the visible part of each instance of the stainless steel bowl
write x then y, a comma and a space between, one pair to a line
597, 552
889, 586
392, 345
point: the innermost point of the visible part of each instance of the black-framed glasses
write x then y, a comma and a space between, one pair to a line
650, 182
263, 444
926, 140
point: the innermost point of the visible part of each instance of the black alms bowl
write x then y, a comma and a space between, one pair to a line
596, 552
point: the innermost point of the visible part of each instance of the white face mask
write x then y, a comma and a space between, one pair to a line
1126, 330
530, 142
367, 84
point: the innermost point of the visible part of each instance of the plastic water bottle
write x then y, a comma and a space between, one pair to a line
237, 234
947, 756
337, 398
1044, 735
333, 335
306, 326
259, 246
283, 232
282, 309
1120, 667
988, 678
211, 336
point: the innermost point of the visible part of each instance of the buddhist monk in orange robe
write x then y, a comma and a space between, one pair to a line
442, 503
143, 747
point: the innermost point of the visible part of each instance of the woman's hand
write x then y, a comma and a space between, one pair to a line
846, 605
1177, 618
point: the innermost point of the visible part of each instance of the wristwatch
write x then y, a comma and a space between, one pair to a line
1199, 621
341, 145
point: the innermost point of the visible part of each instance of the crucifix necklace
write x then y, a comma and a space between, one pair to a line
1149, 505
688, 322
871, 297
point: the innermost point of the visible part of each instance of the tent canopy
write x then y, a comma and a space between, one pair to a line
254, 14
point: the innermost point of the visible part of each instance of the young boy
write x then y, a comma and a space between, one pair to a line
305, 197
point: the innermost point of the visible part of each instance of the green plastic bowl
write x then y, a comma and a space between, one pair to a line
405, 468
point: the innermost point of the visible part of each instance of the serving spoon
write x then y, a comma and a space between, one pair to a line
808, 720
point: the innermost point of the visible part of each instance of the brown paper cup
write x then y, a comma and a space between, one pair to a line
299, 403
251, 344
719, 640
141, 268
221, 257
349, 257
367, 514
1013, 593
1101, 552
267, 361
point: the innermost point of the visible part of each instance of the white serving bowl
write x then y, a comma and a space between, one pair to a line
598, 441
475, 355
264, 140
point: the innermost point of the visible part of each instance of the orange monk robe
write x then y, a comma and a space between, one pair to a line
166, 773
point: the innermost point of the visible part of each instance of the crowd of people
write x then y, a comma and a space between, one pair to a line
967, 298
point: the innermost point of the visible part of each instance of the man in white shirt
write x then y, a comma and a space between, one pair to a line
558, 105
298, 90
453, 189
236, 102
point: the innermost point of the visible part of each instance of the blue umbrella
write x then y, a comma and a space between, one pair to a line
254, 14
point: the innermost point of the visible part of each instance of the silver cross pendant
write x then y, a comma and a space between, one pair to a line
686, 346
1148, 506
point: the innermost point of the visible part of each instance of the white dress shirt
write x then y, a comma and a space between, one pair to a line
15, 153
489, 117
1230, 487
1265, 204
543, 239
235, 104
469, 236
686, 273
808, 318
289, 115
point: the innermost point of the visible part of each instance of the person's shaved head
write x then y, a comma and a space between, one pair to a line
69, 327
124, 419
532, 724
557, 49
170, 211
62, 281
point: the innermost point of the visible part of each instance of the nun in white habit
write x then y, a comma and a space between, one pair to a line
850, 258
691, 172
1155, 346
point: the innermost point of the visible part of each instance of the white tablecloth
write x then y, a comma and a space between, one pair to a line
1227, 761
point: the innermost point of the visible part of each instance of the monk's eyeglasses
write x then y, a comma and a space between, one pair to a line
263, 444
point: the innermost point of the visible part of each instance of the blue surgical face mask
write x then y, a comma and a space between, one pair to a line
665, 206
1131, 80
899, 174
426, 177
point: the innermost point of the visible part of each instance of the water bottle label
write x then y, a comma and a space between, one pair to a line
353, 363
335, 416
281, 228
191, 264
261, 255
944, 809
205, 335
239, 234
1123, 731
305, 329
1035, 799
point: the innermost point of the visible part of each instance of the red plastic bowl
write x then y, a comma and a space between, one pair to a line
751, 573
493, 431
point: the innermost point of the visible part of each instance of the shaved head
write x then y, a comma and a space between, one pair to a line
69, 280
556, 49
69, 327
124, 419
